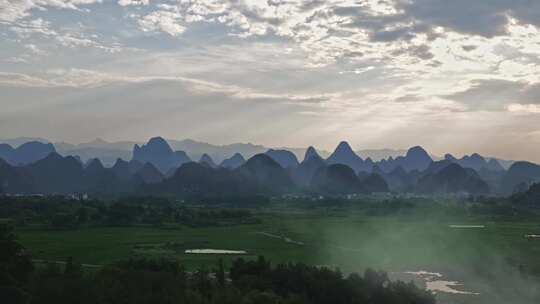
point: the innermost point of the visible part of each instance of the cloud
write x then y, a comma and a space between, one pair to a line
484, 18
21, 80
527, 109
408, 98
25, 29
334, 29
164, 21
88, 79
34, 49
329, 31
133, 2
13, 10
31, 30
497, 94
16, 60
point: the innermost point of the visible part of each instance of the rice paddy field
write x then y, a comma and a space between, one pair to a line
462, 259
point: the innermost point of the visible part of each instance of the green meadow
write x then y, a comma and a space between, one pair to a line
481, 253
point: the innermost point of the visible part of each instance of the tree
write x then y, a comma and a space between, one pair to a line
220, 273
15, 263
72, 268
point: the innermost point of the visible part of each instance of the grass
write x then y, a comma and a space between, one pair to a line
346, 240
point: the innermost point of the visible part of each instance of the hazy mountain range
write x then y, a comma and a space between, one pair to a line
156, 167
108, 152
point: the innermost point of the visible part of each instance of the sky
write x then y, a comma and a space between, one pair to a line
454, 76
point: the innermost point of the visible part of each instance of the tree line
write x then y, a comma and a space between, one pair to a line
61, 213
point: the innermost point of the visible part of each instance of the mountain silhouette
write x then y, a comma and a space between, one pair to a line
520, 173
181, 157
452, 179
268, 175
344, 154
121, 169
98, 179
284, 158
416, 159
233, 162
207, 160
398, 179
277, 171
437, 166
94, 166
149, 174
494, 165
57, 174
6, 152
195, 179
14, 179
158, 152
374, 183
135, 166
476, 161
336, 179
32, 151
304, 172
218, 152
26, 153
311, 152
531, 196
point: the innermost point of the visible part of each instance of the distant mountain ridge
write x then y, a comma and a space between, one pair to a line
158, 152
520, 176
207, 160
260, 174
26, 153
108, 152
284, 158
344, 154
416, 158
37, 166
476, 161
233, 162
453, 178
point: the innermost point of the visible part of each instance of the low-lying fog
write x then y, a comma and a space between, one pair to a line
461, 263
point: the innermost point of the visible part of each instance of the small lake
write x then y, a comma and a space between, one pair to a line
214, 251
467, 226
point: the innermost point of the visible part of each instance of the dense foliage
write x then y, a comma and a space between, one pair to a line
58, 212
530, 197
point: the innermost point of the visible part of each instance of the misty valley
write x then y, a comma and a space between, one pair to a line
269, 152
266, 227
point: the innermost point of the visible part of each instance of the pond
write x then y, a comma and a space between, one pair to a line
467, 226
214, 251
435, 282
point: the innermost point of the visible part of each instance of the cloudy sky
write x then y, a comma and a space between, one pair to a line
454, 76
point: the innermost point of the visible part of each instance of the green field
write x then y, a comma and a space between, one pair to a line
495, 261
